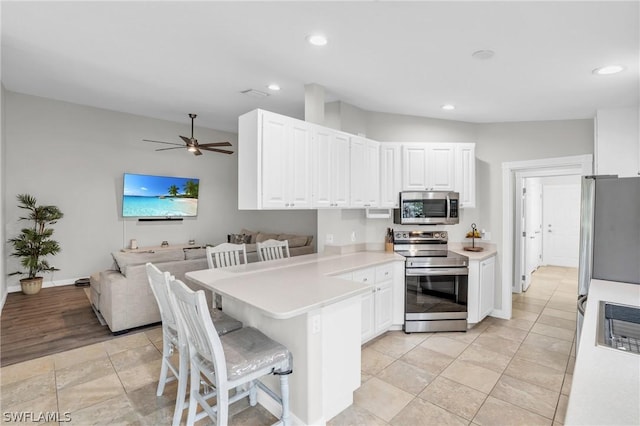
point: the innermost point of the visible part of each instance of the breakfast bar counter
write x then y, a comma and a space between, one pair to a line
300, 303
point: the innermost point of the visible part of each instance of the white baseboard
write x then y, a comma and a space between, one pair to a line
4, 299
57, 283
499, 313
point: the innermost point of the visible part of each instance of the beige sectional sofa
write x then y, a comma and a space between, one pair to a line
298, 244
123, 296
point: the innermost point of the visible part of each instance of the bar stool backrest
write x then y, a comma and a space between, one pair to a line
226, 254
193, 316
272, 250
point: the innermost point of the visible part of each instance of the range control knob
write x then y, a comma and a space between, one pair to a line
405, 235
436, 235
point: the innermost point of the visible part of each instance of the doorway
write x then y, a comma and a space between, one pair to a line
550, 223
513, 182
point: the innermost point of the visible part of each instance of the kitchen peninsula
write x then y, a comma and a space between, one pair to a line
300, 303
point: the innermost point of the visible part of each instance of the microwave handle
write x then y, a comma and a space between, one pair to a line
448, 207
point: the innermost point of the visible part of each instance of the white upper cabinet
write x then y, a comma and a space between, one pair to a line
466, 174
428, 166
365, 172
390, 174
284, 163
330, 168
274, 162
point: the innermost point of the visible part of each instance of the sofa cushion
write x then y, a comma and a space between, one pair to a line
126, 259
262, 237
294, 240
194, 253
239, 238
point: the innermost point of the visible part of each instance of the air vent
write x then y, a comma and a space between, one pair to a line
254, 93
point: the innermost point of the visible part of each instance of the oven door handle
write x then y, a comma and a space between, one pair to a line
430, 272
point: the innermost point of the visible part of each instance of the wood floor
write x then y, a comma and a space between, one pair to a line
54, 320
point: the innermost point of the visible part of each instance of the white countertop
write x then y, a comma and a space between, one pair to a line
286, 288
489, 250
606, 382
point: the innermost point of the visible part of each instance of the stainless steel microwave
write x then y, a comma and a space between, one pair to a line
427, 208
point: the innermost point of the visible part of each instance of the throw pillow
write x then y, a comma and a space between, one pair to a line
238, 238
252, 234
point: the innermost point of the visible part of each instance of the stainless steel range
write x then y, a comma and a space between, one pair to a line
436, 282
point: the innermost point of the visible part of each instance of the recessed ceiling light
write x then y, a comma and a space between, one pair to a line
273, 87
609, 69
317, 39
448, 107
483, 54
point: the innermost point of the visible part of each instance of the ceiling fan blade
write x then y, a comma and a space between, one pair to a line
186, 140
224, 151
168, 143
166, 149
214, 144
197, 152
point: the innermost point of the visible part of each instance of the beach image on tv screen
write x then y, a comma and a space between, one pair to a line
159, 196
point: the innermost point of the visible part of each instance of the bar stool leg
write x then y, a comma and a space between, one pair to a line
284, 389
182, 386
166, 353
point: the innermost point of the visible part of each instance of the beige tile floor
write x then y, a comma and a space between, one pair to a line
498, 373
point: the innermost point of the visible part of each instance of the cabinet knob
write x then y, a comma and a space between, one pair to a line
364, 280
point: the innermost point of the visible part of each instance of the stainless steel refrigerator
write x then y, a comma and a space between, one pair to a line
609, 234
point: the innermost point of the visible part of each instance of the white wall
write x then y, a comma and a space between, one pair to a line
74, 157
3, 168
504, 142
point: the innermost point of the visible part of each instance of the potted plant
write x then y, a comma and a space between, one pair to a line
34, 243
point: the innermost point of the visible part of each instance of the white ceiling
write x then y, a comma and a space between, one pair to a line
166, 59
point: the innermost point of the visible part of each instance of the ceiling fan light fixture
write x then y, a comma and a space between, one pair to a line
273, 86
192, 149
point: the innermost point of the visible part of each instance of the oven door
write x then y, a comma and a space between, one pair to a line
436, 293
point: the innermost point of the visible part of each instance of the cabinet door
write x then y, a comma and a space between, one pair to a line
383, 306
390, 175
487, 286
466, 174
339, 170
372, 174
322, 167
368, 325
358, 170
299, 168
440, 167
414, 167
275, 159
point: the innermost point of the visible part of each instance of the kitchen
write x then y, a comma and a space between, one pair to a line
494, 145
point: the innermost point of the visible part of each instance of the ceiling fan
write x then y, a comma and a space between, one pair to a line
192, 145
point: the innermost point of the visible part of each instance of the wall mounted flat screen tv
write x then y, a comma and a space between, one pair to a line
159, 196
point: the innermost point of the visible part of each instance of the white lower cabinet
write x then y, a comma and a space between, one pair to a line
482, 283
378, 303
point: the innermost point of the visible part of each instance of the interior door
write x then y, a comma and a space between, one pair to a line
561, 224
533, 229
